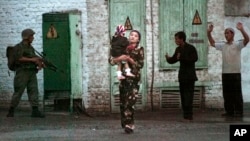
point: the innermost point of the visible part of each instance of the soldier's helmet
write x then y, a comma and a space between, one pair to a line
26, 33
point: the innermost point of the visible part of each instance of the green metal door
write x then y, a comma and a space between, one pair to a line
183, 15
120, 12
57, 50
62, 46
56, 47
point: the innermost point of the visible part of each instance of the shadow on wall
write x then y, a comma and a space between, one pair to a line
247, 106
245, 69
246, 89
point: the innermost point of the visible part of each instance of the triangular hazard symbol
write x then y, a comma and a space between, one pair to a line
128, 25
52, 33
197, 19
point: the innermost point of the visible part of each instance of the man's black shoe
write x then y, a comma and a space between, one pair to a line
238, 115
37, 114
227, 115
10, 114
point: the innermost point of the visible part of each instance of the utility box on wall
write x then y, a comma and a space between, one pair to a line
62, 46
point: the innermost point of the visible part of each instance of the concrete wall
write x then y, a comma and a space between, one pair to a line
16, 15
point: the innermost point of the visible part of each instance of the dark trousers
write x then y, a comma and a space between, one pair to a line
232, 93
129, 89
187, 95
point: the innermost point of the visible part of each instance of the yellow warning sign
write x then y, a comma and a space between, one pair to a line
196, 19
52, 33
128, 25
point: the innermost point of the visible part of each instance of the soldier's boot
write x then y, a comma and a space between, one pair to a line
11, 112
36, 113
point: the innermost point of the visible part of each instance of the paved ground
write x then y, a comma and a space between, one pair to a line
150, 126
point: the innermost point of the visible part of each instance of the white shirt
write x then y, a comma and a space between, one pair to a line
231, 55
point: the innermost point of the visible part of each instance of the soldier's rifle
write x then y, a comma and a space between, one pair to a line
48, 64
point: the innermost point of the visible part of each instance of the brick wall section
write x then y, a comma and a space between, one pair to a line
15, 17
97, 64
213, 93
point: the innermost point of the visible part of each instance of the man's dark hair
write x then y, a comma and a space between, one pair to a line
181, 35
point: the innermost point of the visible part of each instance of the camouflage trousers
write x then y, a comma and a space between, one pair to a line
25, 78
128, 96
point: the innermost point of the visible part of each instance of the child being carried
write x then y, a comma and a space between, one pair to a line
119, 45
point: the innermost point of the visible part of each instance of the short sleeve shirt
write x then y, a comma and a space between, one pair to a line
26, 51
231, 56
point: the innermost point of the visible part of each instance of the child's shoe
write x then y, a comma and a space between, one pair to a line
128, 73
119, 75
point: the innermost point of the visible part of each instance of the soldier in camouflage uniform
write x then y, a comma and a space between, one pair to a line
27, 66
129, 87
